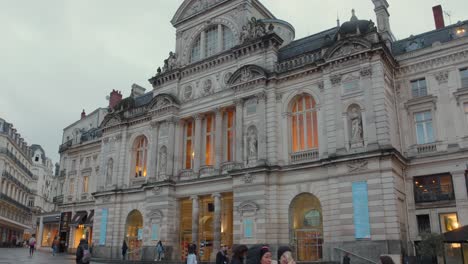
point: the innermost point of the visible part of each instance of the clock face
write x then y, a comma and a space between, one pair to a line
187, 92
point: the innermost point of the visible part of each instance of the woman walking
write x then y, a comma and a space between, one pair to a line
32, 245
239, 255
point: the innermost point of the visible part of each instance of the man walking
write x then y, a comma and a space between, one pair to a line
221, 257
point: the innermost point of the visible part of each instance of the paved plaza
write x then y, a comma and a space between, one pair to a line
21, 255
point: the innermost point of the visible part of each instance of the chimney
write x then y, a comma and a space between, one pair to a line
438, 16
115, 98
83, 114
137, 90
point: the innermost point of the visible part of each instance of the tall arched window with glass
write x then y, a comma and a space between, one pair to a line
140, 154
188, 146
214, 39
304, 129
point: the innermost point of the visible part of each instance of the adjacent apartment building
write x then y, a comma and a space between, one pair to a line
345, 140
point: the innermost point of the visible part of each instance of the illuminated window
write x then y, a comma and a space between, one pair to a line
448, 222
229, 117
304, 130
140, 153
209, 139
419, 88
424, 129
85, 184
433, 188
188, 147
71, 186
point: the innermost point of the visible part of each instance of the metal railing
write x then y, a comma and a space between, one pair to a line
356, 255
17, 161
10, 177
308, 155
14, 202
433, 194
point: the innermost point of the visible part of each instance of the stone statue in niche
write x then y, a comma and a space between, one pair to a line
356, 125
252, 142
109, 171
170, 62
162, 161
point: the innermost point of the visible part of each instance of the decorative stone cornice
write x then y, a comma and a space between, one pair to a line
441, 61
442, 77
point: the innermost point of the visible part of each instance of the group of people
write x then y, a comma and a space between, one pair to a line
260, 254
159, 251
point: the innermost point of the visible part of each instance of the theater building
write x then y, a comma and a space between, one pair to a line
345, 140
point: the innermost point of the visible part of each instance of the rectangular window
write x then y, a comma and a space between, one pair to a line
209, 135
211, 41
464, 77
424, 224
418, 88
189, 154
433, 188
71, 189
448, 222
424, 129
230, 136
85, 184
195, 56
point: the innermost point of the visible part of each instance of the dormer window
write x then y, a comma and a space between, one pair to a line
212, 40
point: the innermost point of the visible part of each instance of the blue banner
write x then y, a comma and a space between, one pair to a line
103, 230
248, 228
361, 211
154, 232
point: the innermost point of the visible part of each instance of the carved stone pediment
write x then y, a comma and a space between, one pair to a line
111, 120
248, 208
156, 215
163, 102
247, 74
192, 7
347, 48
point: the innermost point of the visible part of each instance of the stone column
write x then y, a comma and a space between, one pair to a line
261, 128
217, 222
41, 230
197, 143
239, 131
170, 148
178, 147
154, 152
195, 214
218, 140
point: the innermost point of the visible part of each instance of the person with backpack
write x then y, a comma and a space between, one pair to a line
83, 254
159, 251
32, 245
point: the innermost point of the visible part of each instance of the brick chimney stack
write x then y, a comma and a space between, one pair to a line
438, 16
83, 114
115, 98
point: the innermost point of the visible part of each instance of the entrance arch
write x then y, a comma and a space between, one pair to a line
134, 234
306, 227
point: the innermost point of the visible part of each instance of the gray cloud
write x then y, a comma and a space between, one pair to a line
61, 56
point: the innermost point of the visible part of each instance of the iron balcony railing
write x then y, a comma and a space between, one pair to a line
17, 161
10, 177
426, 194
10, 200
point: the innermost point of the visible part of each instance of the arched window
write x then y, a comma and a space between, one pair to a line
304, 129
140, 152
212, 40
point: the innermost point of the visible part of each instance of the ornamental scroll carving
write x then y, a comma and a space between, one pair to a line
442, 77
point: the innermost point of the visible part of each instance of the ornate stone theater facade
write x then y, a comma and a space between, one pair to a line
335, 142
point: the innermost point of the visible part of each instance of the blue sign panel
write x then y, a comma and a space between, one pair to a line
361, 210
248, 228
154, 232
103, 231
140, 233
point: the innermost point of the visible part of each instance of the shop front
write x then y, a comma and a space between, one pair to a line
64, 228
81, 227
49, 227
456, 245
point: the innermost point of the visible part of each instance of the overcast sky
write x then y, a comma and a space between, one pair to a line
58, 57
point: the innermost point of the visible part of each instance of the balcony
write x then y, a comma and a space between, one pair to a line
229, 166
186, 175
206, 171
65, 146
10, 177
58, 199
426, 148
63, 173
433, 194
17, 161
305, 156
10, 200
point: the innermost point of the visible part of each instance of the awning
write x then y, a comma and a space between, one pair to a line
79, 218
459, 235
89, 219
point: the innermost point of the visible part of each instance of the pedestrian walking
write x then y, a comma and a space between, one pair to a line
221, 256
239, 254
124, 249
13, 241
259, 255
346, 259
32, 245
285, 255
83, 255
55, 246
192, 258
159, 251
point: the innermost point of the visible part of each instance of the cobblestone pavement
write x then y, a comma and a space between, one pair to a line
21, 255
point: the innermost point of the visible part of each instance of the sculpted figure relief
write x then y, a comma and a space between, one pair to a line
252, 142
109, 171
356, 125
162, 160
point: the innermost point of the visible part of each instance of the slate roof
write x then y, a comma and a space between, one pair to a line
308, 44
426, 39
143, 99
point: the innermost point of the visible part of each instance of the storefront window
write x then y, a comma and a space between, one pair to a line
49, 232
448, 222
